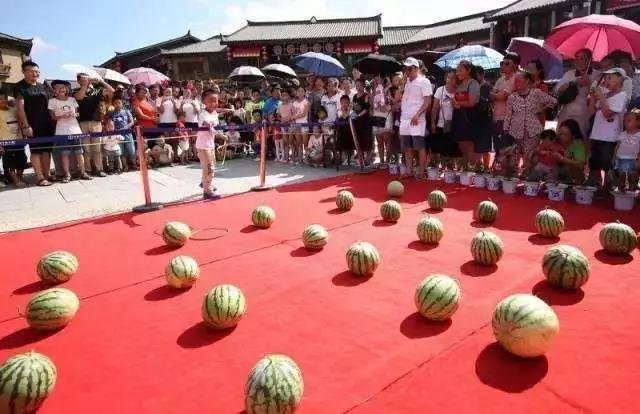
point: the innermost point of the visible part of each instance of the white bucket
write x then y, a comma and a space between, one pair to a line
466, 178
624, 201
584, 194
433, 173
393, 169
556, 191
449, 177
509, 185
479, 181
493, 183
531, 188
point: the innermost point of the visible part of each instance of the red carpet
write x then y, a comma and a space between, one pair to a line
138, 347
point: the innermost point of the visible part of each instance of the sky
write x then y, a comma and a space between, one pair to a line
79, 32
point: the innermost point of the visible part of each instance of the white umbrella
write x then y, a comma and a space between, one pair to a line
279, 70
76, 68
246, 73
112, 75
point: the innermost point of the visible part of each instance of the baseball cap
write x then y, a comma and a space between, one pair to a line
617, 71
410, 61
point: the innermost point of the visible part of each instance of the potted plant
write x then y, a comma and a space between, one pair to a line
479, 179
493, 180
555, 190
510, 181
466, 172
624, 200
449, 174
433, 169
584, 192
532, 183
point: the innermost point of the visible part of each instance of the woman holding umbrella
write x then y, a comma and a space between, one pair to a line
463, 128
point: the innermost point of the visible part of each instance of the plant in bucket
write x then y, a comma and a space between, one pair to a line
479, 179
449, 174
493, 180
466, 172
624, 200
433, 169
584, 193
555, 190
532, 183
510, 181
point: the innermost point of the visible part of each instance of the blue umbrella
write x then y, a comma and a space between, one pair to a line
476, 54
319, 64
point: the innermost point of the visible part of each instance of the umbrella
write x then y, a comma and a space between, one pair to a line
146, 76
319, 64
76, 68
246, 74
476, 54
112, 75
530, 49
374, 64
602, 34
279, 70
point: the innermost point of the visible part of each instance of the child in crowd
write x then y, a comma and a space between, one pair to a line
285, 112
238, 109
315, 147
14, 160
275, 133
545, 162
344, 138
235, 145
627, 163
205, 142
64, 112
112, 148
122, 120
182, 151
161, 153
300, 117
256, 115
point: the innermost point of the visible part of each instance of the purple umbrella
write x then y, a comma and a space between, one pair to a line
530, 49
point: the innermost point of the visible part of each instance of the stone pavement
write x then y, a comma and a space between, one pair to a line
41, 206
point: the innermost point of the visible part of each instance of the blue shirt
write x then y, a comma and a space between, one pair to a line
270, 106
121, 119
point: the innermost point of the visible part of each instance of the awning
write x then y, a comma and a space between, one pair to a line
247, 51
357, 47
621, 4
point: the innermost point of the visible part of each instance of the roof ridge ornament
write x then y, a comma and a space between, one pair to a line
313, 19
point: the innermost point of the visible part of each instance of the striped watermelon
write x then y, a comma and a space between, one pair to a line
176, 234
315, 237
487, 211
430, 230
549, 223
395, 189
486, 248
274, 386
182, 272
362, 259
618, 238
390, 211
524, 325
263, 217
565, 266
223, 307
57, 267
345, 200
26, 380
437, 297
437, 200
52, 309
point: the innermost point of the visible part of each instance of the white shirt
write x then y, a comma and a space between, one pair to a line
65, 126
412, 99
189, 107
603, 130
629, 145
112, 142
331, 104
446, 106
169, 115
205, 139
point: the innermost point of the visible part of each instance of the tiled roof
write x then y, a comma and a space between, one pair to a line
307, 29
521, 6
398, 35
25, 42
166, 43
211, 45
467, 24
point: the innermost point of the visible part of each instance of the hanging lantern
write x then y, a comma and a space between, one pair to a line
376, 46
229, 55
264, 55
338, 49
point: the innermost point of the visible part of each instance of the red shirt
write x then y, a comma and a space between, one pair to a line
148, 109
548, 159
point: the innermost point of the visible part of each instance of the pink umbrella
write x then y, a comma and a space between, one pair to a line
602, 34
147, 76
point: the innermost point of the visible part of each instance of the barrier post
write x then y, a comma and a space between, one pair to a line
363, 169
144, 175
263, 163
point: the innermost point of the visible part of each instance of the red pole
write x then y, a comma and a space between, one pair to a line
144, 175
263, 162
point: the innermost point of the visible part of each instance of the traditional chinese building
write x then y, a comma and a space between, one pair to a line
627, 9
13, 51
202, 60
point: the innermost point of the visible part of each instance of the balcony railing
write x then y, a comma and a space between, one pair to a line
5, 69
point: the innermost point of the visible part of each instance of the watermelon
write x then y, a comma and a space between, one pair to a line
565, 267
274, 386
549, 223
430, 230
182, 272
223, 307
315, 237
486, 248
524, 325
437, 297
345, 200
487, 211
52, 309
390, 211
395, 189
176, 234
437, 200
57, 267
362, 259
26, 380
263, 217
618, 238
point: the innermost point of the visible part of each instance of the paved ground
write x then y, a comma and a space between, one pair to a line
40, 206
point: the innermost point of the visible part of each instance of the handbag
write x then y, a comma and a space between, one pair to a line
569, 94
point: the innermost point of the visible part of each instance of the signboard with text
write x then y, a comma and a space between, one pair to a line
621, 4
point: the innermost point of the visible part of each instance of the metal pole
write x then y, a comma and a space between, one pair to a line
263, 163
144, 175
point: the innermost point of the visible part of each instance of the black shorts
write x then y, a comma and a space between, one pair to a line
443, 144
483, 141
602, 153
14, 158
